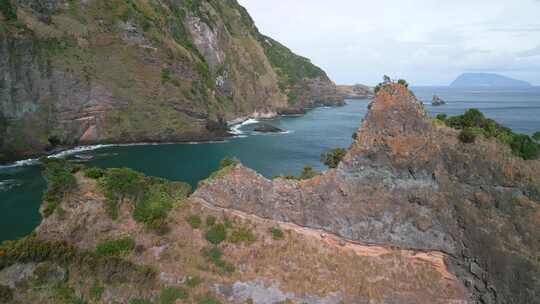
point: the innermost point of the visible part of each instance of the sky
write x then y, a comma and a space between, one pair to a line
427, 42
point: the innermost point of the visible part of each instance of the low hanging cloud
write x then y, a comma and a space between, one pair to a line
428, 42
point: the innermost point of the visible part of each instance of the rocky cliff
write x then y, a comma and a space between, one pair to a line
407, 181
81, 72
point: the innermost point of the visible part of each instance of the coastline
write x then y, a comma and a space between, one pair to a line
232, 132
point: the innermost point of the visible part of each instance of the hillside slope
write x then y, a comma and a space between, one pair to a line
117, 71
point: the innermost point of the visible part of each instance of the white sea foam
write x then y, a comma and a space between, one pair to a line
8, 184
235, 129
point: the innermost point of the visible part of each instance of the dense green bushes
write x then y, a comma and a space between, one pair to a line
8, 10
152, 198
216, 234
194, 221
333, 158
94, 173
473, 123
118, 247
60, 182
6, 294
277, 234
30, 249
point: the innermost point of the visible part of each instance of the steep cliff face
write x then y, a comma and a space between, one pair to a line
407, 181
78, 72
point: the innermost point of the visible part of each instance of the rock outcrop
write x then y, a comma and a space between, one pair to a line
437, 101
408, 182
83, 72
357, 91
259, 261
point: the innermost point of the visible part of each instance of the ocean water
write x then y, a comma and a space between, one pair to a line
304, 139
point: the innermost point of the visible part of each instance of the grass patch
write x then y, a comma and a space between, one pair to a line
242, 235
60, 182
277, 234
194, 221
118, 247
6, 294
96, 291
208, 299
210, 220
193, 282
169, 295
214, 255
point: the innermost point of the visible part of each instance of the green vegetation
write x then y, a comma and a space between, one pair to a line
306, 173
96, 291
277, 234
333, 157
8, 10
403, 82
152, 198
210, 220
228, 162
194, 221
194, 281
65, 294
169, 295
30, 249
166, 75
467, 136
94, 173
290, 68
6, 294
536, 136
60, 182
214, 255
118, 247
140, 301
208, 299
242, 235
216, 234
442, 117
473, 123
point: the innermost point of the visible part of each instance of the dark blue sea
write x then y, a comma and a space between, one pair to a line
306, 137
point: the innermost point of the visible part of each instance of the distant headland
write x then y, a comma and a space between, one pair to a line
487, 80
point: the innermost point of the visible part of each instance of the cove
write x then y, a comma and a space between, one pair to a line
306, 137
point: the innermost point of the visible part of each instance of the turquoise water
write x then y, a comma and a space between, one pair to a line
306, 138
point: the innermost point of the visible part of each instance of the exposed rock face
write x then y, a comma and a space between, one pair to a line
437, 101
407, 181
357, 91
81, 72
266, 128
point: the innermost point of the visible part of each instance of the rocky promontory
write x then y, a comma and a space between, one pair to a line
407, 181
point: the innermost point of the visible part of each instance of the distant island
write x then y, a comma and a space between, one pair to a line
487, 80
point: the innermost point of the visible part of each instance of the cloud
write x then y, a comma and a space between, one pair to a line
425, 41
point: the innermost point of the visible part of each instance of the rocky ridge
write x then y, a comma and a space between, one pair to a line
407, 181
84, 72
